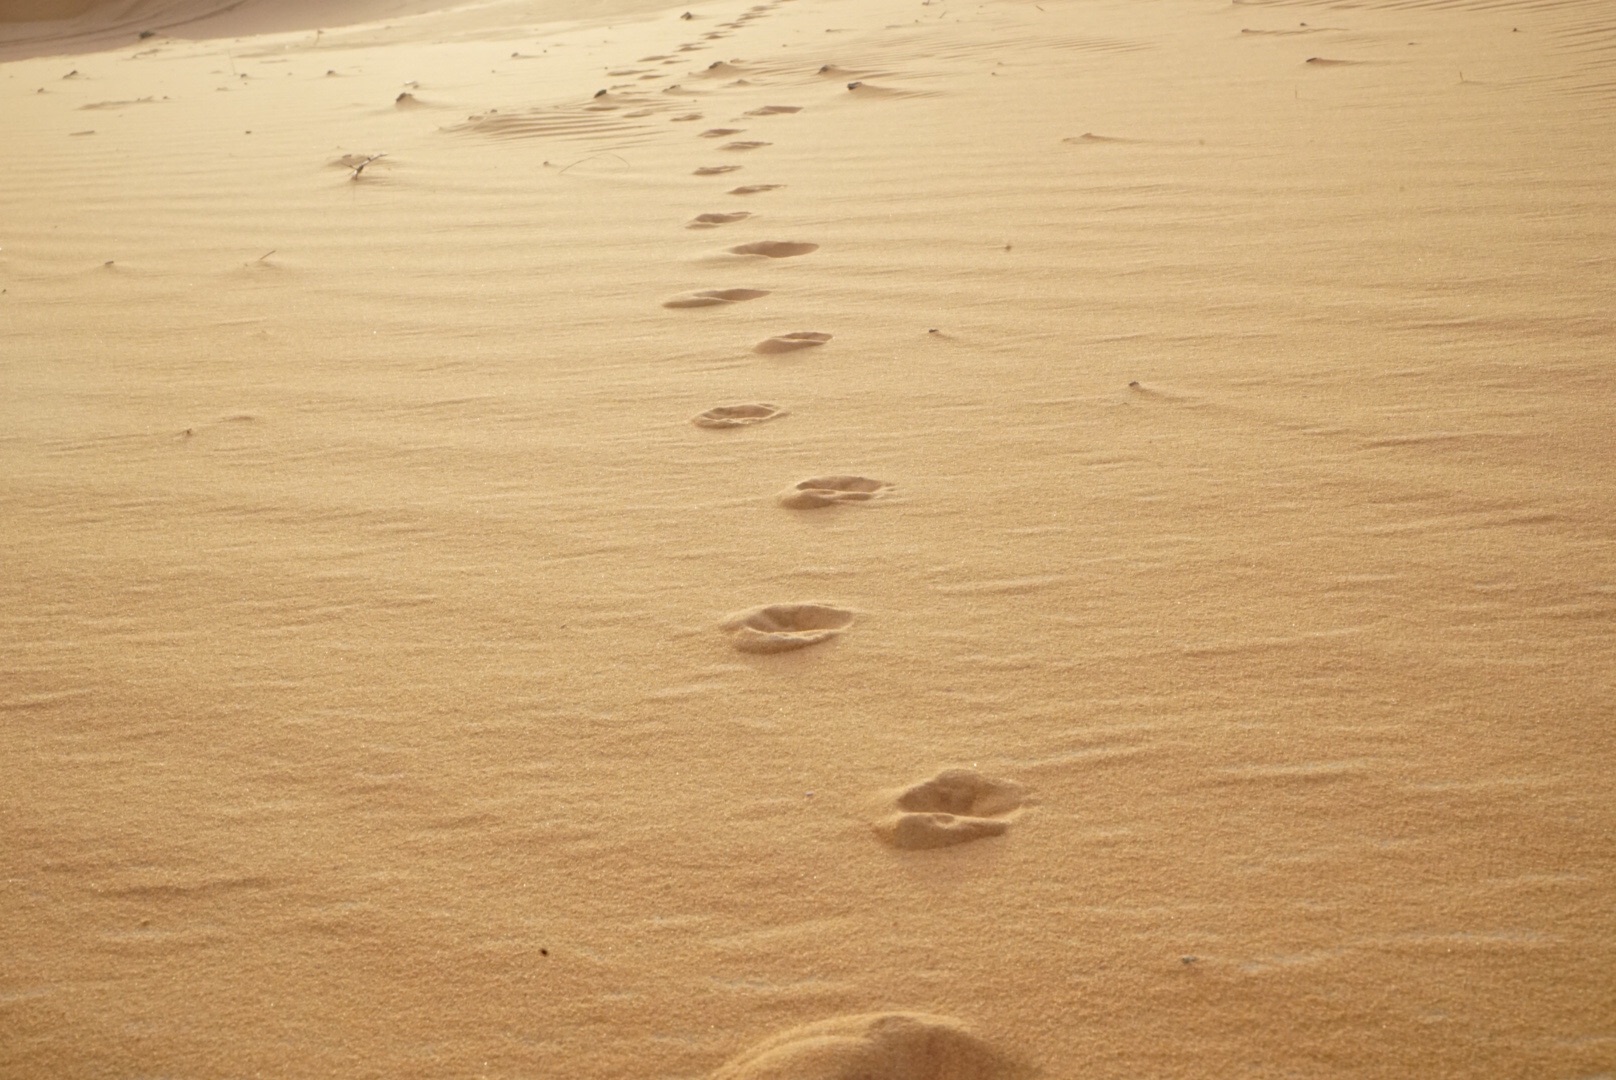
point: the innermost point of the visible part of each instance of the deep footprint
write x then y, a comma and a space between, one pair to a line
784, 343
774, 249
953, 807
820, 491
888, 1046
784, 627
734, 416
712, 221
714, 298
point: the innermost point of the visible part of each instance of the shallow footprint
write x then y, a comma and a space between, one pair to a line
891, 1046
953, 807
714, 297
712, 221
784, 627
718, 133
753, 189
774, 249
734, 416
775, 110
820, 491
717, 170
744, 144
783, 343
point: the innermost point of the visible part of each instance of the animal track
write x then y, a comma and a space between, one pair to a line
714, 297
891, 1046
953, 807
712, 221
774, 249
782, 343
754, 189
733, 416
784, 627
820, 491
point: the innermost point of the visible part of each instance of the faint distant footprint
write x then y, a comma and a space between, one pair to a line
712, 221
754, 189
774, 249
734, 416
744, 144
783, 343
892, 1046
714, 297
820, 491
953, 807
717, 170
783, 627
719, 133
774, 110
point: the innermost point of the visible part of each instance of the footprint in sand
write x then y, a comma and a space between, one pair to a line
717, 170
953, 807
784, 343
754, 189
714, 297
712, 221
774, 249
820, 491
784, 627
775, 110
891, 1046
744, 144
719, 133
734, 416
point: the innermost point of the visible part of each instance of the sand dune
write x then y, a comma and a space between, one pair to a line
1182, 646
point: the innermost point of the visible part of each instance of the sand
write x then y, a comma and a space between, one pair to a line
942, 538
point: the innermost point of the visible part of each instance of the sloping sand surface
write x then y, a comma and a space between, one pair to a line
1095, 554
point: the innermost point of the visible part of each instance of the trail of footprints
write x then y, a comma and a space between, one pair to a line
951, 808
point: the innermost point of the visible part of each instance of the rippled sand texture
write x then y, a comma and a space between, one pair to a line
793, 539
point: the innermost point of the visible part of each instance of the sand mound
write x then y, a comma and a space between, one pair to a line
880, 1046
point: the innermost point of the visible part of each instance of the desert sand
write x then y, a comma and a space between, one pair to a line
807, 540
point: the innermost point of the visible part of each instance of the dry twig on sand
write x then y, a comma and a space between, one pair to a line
359, 168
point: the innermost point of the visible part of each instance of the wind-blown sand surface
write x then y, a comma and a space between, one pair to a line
1136, 599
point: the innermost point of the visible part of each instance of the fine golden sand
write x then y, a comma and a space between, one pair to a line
807, 540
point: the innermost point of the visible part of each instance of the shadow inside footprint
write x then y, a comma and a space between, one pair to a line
743, 144
774, 249
774, 110
784, 343
889, 1046
829, 490
953, 807
716, 170
714, 297
783, 627
719, 133
733, 416
754, 189
712, 221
